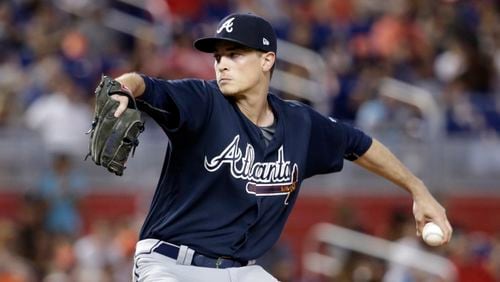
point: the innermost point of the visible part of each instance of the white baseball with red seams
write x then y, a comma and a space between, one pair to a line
432, 234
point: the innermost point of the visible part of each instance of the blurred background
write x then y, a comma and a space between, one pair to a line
420, 75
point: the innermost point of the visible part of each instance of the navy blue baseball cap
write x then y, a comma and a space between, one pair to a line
246, 29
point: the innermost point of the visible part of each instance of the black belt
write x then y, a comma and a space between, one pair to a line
172, 251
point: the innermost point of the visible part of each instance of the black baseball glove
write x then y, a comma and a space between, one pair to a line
112, 138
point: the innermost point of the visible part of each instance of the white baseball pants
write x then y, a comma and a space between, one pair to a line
150, 266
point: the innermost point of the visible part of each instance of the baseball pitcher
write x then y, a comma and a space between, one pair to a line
236, 160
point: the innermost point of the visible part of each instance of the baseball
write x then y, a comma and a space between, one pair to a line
432, 234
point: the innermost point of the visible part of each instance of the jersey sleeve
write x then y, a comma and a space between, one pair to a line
331, 142
176, 104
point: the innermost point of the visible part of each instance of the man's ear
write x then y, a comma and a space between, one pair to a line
268, 60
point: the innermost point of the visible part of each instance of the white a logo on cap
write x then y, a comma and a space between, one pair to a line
265, 41
228, 25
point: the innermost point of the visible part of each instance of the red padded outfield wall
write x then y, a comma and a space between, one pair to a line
373, 214
480, 213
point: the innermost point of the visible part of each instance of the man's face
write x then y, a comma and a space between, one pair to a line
237, 68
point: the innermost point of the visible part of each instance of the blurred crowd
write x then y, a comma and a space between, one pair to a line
472, 255
30, 250
52, 54
49, 239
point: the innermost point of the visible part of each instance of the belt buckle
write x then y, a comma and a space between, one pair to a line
218, 262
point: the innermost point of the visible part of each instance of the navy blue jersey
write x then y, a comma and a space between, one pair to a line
222, 191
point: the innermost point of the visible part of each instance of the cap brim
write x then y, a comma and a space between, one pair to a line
207, 44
